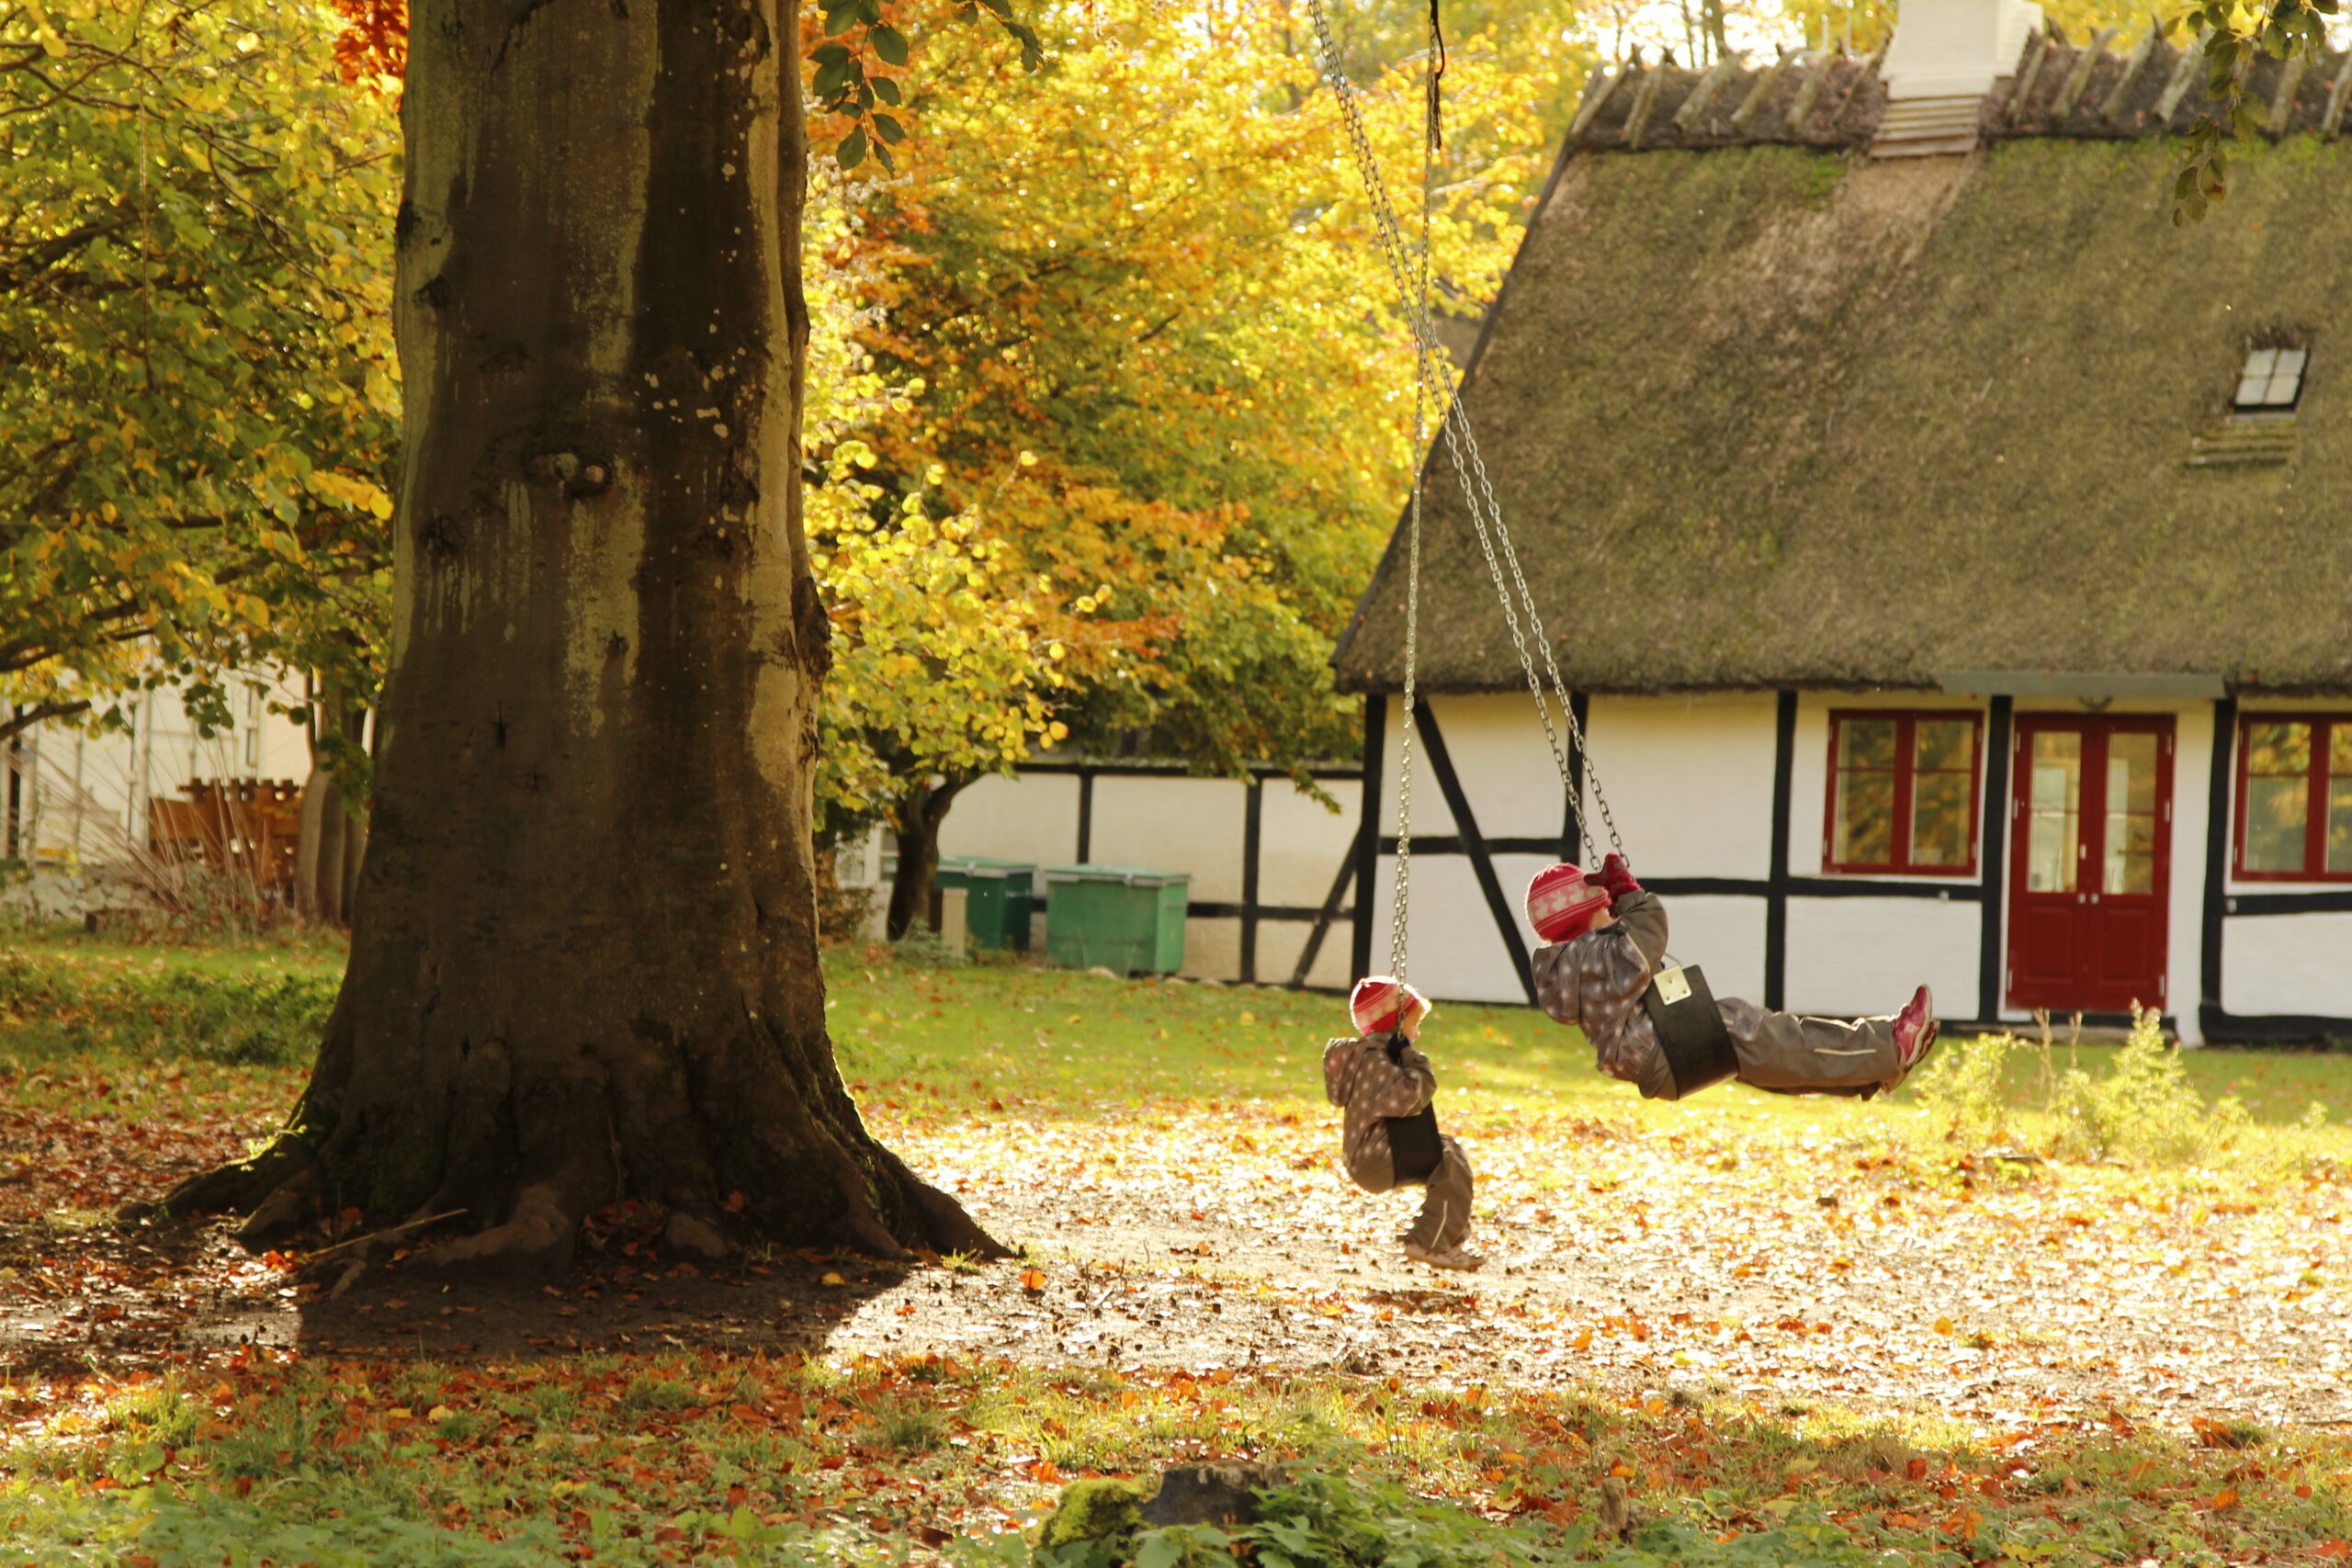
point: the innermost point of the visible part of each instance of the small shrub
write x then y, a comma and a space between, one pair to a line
2144, 1110
1962, 1087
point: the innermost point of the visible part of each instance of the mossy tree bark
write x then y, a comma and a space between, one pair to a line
583, 962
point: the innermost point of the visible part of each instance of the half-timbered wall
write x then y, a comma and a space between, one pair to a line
1722, 803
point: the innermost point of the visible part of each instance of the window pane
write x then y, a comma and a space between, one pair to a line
2130, 842
2339, 824
1944, 743
1865, 819
2260, 361
1866, 743
2278, 749
2339, 750
1940, 818
2053, 837
2132, 772
2276, 810
2131, 856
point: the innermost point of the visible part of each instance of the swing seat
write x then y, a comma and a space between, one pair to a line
1413, 1148
1698, 1051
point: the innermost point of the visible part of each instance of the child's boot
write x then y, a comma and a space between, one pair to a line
1915, 1031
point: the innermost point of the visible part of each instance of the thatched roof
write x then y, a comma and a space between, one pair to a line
1764, 415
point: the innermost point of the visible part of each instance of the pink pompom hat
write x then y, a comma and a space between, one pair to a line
1561, 903
1382, 1006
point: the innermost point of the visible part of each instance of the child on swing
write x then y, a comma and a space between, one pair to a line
1389, 1137
1600, 968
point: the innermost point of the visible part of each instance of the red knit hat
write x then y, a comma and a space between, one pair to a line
1381, 1005
1561, 903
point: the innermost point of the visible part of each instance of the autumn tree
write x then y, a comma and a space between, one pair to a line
199, 418
584, 962
1157, 356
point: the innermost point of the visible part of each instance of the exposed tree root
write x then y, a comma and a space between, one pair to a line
240, 1187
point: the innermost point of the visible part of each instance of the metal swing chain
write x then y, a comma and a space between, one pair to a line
1469, 464
1401, 895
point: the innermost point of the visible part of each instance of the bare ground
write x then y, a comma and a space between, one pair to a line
1687, 1255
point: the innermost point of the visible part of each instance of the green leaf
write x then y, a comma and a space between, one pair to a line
889, 43
852, 151
839, 19
889, 129
826, 53
829, 78
886, 89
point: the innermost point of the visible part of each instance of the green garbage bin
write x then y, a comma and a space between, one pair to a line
1119, 917
1000, 896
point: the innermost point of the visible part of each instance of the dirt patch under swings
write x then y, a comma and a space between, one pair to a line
1784, 1272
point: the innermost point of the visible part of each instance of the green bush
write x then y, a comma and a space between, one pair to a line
50, 1005
2144, 1110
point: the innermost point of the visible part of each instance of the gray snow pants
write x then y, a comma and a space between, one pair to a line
1793, 1054
1444, 1220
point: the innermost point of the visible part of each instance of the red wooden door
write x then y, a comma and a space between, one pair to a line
2091, 818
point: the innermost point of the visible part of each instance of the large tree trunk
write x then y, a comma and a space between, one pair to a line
584, 963
922, 808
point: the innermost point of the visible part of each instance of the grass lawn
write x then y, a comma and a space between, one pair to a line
695, 1454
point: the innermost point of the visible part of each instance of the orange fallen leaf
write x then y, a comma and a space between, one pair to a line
2337, 1550
1583, 1341
1622, 1470
2227, 1497
1032, 1278
832, 1280
733, 1204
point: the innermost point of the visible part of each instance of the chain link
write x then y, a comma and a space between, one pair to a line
1401, 895
1470, 470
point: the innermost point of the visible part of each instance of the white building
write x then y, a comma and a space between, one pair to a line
71, 800
1948, 553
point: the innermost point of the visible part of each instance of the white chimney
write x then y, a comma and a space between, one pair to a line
1949, 48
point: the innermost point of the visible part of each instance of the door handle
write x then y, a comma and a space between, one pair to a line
2094, 897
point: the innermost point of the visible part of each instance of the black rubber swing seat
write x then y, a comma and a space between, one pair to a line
1698, 1051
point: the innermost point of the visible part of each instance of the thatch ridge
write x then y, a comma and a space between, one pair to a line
2105, 88
1772, 415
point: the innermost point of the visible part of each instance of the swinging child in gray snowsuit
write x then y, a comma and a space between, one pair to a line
1389, 1135
1607, 941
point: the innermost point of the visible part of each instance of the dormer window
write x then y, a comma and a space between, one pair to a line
2271, 381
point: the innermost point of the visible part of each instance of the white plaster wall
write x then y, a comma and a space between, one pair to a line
1689, 779
1175, 823
2287, 963
1301, 846
1854, 957
1724, 936
1809, 772
1281, 941
1454, 952
1033, 817
1212, 948
2192, 791
1507, 770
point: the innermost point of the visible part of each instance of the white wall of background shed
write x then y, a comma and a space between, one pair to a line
1689, 780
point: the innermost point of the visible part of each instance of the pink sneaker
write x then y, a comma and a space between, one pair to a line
1915, 1031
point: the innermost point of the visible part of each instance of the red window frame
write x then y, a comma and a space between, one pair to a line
1905, 776
2315, 798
